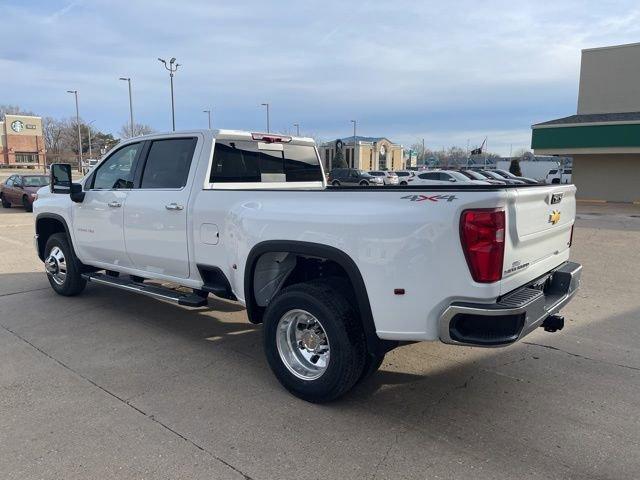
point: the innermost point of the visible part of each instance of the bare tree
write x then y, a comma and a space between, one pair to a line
138, 129
13, 110
53, 131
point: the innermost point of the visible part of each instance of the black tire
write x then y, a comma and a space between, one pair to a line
28, 207
364, 183
335, 183
5, 204
73, 283
344, 332
404, 184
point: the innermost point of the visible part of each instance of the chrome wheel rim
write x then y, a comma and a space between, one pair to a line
56, 265
303, 344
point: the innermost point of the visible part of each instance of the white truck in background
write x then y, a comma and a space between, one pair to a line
337, 275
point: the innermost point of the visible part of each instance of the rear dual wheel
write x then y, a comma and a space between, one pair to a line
314, 342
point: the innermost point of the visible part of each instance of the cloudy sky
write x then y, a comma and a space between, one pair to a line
443, 71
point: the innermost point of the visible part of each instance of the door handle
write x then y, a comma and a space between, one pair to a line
114, 204
173, 206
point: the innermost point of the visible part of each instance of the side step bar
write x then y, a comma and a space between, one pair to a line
163, 293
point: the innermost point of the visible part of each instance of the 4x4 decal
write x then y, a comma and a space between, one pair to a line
431, 198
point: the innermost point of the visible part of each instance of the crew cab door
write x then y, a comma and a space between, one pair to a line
98, 220
155, 215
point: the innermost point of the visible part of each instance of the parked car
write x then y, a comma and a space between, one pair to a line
491, 175
559, 176
474, 175
21, 190
88, 164
445, 177
507, 174
353, 176
336, 276
388, 178
405, 176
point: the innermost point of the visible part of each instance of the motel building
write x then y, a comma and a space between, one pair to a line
21, 141
603, 137
370, 153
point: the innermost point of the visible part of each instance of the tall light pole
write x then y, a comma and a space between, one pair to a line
267, 105
75, 93
172, 67
297, 125
89, 130
131, 130
353, 160
208, 112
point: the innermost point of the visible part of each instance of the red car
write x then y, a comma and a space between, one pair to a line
21, 190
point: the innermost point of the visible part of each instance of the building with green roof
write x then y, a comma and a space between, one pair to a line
604, 136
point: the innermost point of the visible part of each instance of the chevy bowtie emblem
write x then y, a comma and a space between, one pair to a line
554, 217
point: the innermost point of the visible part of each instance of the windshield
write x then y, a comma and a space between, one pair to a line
458, 176
39, 181
402, 174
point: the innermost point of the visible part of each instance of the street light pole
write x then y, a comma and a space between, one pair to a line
131, 130
208, 112
75, 93
353, 160
267, 105
172, 67
297, 125
89, 130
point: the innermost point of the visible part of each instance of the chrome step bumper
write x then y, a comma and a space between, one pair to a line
514, 315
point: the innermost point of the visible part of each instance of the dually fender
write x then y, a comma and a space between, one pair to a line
53, 216
254, 312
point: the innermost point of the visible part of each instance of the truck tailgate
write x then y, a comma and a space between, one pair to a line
539, 224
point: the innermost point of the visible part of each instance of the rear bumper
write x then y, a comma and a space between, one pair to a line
514, 315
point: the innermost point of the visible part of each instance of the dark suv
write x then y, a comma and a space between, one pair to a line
352, 176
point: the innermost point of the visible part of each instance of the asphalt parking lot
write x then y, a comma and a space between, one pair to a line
114, 385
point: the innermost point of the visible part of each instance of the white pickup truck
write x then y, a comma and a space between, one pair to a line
339, 276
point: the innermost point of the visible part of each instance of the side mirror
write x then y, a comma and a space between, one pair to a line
60, 178
61, 182
452, 179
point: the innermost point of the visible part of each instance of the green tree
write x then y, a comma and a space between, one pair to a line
338, 159
515, 167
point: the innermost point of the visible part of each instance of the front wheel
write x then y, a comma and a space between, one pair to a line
62, 266
404, 184
314, 341
364, 183
335, 183
5, 203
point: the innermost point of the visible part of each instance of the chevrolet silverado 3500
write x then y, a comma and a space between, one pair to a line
338, 276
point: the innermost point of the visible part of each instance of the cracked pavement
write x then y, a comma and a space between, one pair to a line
114, 385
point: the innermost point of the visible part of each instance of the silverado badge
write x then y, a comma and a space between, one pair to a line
554, 217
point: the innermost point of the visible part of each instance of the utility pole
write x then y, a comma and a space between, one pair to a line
131, 124
172, 67
353, 160
75, 93
267, 105
89, 130
297, 125
208, 112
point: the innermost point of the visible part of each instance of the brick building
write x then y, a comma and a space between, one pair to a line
21, 141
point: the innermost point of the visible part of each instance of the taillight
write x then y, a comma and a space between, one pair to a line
482, 236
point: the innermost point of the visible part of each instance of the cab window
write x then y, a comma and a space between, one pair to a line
168, 163
118, 170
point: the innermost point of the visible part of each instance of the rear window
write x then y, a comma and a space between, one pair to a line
567, 172
243, 161
553, 172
